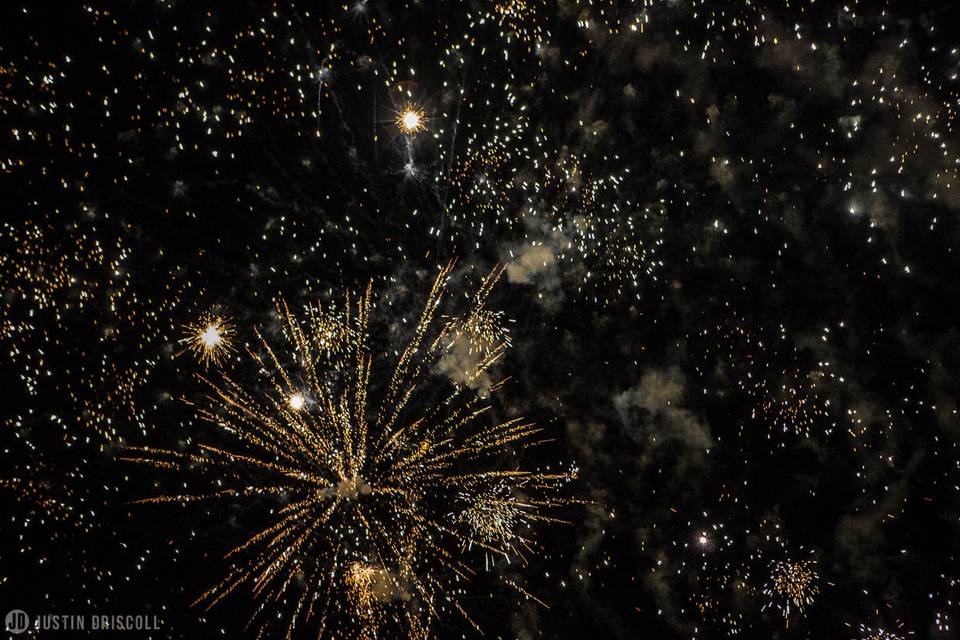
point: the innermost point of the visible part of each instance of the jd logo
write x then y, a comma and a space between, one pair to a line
17, 621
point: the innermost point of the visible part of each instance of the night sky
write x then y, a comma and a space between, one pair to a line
718, 352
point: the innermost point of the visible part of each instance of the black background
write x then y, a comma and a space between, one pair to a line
774, 246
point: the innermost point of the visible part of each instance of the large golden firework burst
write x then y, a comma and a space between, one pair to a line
384, 481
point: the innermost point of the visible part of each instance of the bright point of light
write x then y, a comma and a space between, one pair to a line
411, 120
297, 401
211, 336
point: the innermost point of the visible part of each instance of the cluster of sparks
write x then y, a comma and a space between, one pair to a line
785, 396
364, 467
875, 633
792, 587
210, 339
484, 328
594, 145
411, 120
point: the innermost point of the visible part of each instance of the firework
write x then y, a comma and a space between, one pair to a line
519, 19
875, 633
364, 467
713, 596
483, 328
411, 120
786, 388
210, 339
297, 401
792, 587
495, 518
512, 178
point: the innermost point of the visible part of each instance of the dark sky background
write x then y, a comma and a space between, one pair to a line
730, 230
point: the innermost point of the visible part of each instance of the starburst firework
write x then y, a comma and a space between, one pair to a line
209, 339
364, 465
411, 120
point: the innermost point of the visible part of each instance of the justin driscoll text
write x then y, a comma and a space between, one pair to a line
96, 622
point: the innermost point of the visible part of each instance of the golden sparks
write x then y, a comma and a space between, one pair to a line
411, 120
364, 476
792, 586
210, 339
